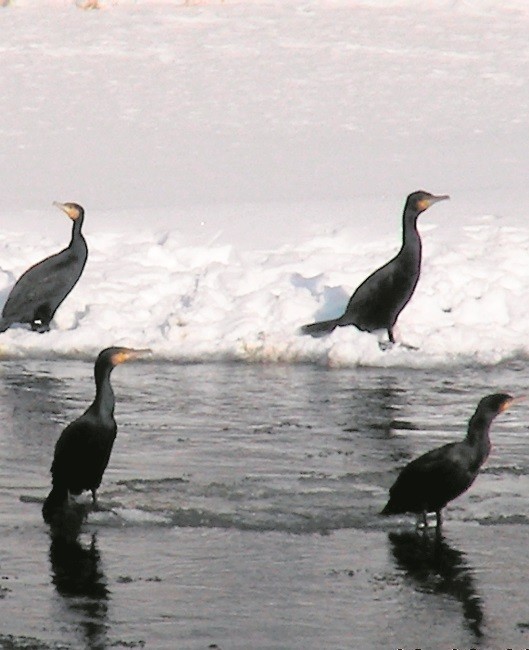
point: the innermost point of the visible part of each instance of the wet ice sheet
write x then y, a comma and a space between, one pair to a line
147, 586
245, 506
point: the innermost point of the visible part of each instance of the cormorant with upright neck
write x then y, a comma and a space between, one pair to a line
83, 449
39, 291
378, 301
430, 481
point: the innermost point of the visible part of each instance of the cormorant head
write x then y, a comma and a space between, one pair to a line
497, 403
421, 201
113, 356
73, 210
120, 355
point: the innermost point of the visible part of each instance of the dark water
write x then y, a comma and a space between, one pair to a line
244, 512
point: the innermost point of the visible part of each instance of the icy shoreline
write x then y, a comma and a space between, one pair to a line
204, 301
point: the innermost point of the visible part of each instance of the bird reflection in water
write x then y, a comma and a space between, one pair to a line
373, 415
438, 568
79, 579
374, 409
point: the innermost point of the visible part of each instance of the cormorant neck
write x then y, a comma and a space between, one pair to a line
104, 399
76, 230
478, 434
411, 240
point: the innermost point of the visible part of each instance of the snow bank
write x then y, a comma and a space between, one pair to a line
243, 166
197, 301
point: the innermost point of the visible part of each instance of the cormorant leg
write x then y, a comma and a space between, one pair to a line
41, 319
384, 344
96, 507
422, 521
40, 326
407, 346
438, 519
387, 345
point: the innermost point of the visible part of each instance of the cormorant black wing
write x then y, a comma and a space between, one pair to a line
432, 480
47, 282
82, 453
380, 298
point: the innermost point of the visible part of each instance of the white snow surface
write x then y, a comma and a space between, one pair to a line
244, 165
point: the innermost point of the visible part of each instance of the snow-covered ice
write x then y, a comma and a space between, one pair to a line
244, 165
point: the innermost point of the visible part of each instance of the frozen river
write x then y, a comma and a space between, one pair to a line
245, 502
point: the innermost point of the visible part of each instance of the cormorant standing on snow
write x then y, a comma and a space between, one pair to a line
378, 301
430, 481
39, 291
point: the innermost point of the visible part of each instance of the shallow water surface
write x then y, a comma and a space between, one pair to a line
244, 503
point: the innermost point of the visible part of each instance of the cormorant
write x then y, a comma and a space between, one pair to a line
39, 291
430, 481
83, 449
378, 301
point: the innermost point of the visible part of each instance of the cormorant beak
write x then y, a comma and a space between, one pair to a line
139, 353
129, 354
69, 209
441, 197
424, 204
513, 400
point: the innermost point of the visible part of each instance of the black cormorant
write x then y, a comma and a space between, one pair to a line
39, 291
378, 301
430, 481
83, 449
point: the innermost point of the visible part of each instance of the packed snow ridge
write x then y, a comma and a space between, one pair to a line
208, 301
244, 165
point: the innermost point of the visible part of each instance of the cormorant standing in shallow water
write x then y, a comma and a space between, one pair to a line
39, 291
430, 481
378, 301
84, 447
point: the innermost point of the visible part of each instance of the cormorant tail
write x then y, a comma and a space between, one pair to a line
4, 325
64, 518
393, 507
54, 503
321, 328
